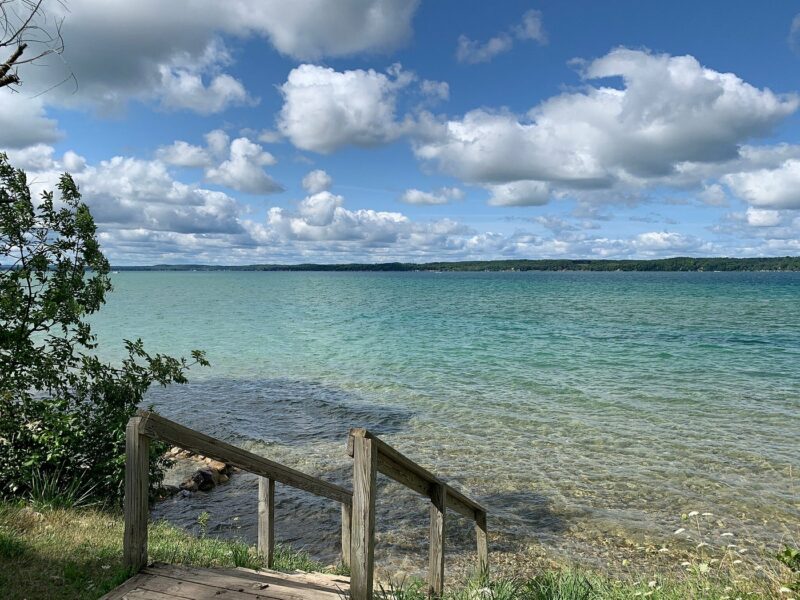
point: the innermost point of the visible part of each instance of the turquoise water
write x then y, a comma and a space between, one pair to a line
577, 406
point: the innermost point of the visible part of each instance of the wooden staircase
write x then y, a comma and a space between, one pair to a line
371, 456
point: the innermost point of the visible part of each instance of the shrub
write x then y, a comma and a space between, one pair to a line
62, 410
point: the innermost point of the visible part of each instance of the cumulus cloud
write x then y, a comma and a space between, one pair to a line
671, 112
519, 193
769, 188
308, 29
758, 217
237, 164
23, 121
531, 27
435, 90
183, 154
322, 218
127, 194
714, 195
119, 51
441, 196
243, 170
317, 181
217, 142
146, 216
661, 242
184, 89
269, 136
473, 52
324, 109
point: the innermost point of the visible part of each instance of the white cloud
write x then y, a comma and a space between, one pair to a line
769, 188
183, 154
269, 136
325, 110
319, 209
217, 141
127, 194
323, 222
794, 33
473, 52
32, 158
660, 241
23, 121
758, 217
145, 216
531, 27
520, 193
243, 170
441, 196
184, 89
171, 53
436, 90
309, 29
670, 113
714, 195
237, 164
317, 181
73, 162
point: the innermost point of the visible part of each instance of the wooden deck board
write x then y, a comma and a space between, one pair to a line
170, 582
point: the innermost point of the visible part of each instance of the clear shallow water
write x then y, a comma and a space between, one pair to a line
577, 406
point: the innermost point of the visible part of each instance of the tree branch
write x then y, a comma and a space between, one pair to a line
13, 78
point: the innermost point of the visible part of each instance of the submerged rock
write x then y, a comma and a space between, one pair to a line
210, 473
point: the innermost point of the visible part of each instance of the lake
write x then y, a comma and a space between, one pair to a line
585, 410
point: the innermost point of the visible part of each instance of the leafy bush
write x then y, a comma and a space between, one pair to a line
62, 410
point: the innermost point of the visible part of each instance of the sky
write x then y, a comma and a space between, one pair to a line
262, 131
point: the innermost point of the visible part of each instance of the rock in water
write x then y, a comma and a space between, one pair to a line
205, 479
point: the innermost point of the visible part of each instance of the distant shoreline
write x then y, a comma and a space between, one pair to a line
780, 264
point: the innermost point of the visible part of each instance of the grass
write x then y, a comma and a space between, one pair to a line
570, 584
76, 553
71, 553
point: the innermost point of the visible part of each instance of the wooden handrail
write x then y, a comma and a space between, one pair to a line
158, 427
403, 470
372, 455
147, 426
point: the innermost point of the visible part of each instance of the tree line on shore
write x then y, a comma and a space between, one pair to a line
680, 263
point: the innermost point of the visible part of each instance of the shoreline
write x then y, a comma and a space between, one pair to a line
781, 264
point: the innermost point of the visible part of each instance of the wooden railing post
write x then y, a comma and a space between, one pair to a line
436, 558
266, 519
347, 519
483, 542
137, 473
362, 543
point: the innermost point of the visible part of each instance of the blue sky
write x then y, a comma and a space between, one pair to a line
374, 130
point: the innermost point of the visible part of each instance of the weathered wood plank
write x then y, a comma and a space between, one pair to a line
168, 431
231, 583
436, 554
142, 594
118, 593
347, 525
266, 519
483, 542
402, 469
191, 590
326, 580
362, 549
137, 465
